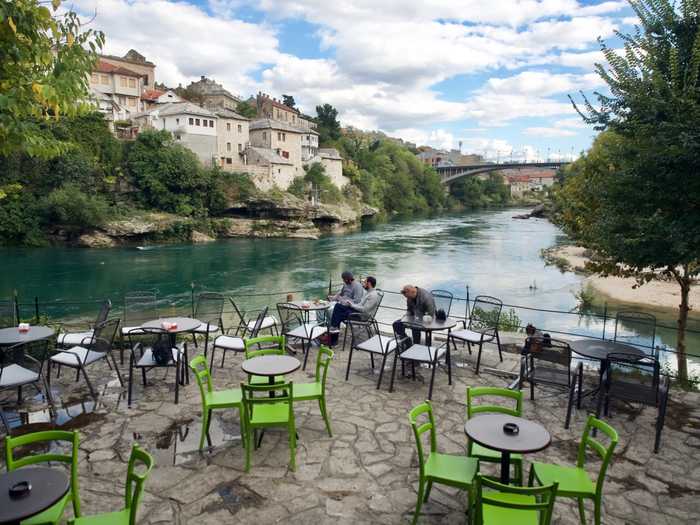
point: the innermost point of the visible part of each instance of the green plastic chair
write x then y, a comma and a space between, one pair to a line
271, 345
264, 411
317, 389
483, 453
54, 513
574, 482
510, 505
133, 493
211, 399
447, 469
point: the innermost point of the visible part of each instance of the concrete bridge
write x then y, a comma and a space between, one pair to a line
450, 174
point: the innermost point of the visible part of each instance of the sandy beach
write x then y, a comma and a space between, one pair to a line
655, 294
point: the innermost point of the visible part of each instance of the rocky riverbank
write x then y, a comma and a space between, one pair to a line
264, 216
659, 294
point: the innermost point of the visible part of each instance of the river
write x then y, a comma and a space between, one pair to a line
487, 250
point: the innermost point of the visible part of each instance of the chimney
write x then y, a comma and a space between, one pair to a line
202, 77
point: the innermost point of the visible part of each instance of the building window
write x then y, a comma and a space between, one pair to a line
177, 121
95, 78
240, 129
191, 121
122, 81
204, 122
132, 102
279, 136
240, 148
279, 170
264, 135
211, 123
284, 137
104, 79
196, 122
132, 82
285, 154
228, 146
228, 126
229, 160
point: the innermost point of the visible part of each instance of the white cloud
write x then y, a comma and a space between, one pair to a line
437, 138
546, 132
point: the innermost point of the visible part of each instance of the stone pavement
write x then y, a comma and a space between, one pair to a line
367, 472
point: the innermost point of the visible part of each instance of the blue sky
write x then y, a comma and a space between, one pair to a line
493, 75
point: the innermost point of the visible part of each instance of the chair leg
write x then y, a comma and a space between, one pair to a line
448, 358
248, 448
306, 348
292, 449
347, 370
324, 413
478, 360
660, 419
569, 406
427, 490
432, 380
119, 374
89, 383
381, 372
498, 344
131, 379
345, 337
419, 502
393, 374
371, 360
596, 511
209, 415
223, 356
580, 390
532, 384
211, 361
581, 511
205, 427
531, 477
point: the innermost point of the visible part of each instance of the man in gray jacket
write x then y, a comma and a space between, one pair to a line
419, 302
366, 305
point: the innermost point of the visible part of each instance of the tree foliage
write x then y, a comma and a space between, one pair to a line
288, 100
328, 124
635, 197
474, 192
45, 61
246, 109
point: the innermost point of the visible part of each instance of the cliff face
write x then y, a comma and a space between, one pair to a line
279, 216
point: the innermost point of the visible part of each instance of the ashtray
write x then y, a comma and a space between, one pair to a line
20, 490
511, 428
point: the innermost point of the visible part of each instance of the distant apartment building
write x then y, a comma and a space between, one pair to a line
191, 125
282, 138
523, 180
437, 157
233, 138
135, 61
214, 95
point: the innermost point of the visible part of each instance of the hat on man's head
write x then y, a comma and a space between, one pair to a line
347, 275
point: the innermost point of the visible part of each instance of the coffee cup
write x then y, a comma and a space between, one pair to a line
427, 318
23, 328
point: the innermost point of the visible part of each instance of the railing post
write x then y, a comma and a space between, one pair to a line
36, 309
192, 297
16, 299
605, 317
467, 308
330, 284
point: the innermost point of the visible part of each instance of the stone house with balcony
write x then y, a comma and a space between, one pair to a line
267, 169
119, 84
232, 135
194, 127
213, 95
136, 62
281, 138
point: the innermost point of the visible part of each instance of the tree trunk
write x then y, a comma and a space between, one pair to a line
683, 308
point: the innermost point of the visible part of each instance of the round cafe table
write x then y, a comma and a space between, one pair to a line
184, 324
599, 349
270, 366
12, 335
487, 430
48, 486
310, 306
417, 323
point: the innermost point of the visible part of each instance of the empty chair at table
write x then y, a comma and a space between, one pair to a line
482, 326
637, 380
547, 361
68, 339
209, 310
232, 342
269, 321
365, 337
139, 307
93, 348
636, 329
295, 326
443, 300
420, 354
8, 312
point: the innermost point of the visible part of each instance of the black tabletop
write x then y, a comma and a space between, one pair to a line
432, 326
487, 430
184, 324
12, 335
599, 349
271, 365
48, 486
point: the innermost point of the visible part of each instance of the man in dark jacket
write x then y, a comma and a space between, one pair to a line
419, 302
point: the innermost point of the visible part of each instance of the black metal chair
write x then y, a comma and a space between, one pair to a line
548, 361
368, 316
235, 343
23, 364
635, 379
482, 327
443, 300
421, 354
92, 348
209, 310
295, 325
139, 307
365, 337
636, 329
150, 340
70, 339
8, 317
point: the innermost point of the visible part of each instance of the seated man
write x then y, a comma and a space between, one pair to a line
419, 302
366, 305
351, 289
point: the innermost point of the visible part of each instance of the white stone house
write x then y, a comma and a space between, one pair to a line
267, 169
332, 162
232, 139
283, 139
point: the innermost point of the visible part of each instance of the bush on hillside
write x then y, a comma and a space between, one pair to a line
73, 209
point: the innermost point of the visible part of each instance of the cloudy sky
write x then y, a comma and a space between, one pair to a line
493, 74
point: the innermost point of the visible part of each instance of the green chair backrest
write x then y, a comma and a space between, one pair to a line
135, 480
283, 394
605, 453
11, 443
252, 346
543, 499
420, 429
198, 365
474, 392
325, 356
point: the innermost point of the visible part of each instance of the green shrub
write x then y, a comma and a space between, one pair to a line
74, 209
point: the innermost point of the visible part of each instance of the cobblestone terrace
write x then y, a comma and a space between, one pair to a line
367, 472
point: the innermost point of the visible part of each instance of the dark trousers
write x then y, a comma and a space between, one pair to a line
400, 329
340, 314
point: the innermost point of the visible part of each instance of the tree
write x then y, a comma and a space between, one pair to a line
641, 212
328, 124
288, 100
45, 62
246, 109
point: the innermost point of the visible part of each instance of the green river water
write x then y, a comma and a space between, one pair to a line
487, 250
